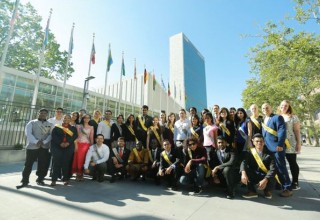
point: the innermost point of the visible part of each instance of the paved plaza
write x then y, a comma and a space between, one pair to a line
145, 200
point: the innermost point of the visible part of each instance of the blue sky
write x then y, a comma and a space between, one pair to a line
141, 29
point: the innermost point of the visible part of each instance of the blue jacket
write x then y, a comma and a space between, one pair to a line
276, 122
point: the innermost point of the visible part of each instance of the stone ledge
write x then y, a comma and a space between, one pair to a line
12, 156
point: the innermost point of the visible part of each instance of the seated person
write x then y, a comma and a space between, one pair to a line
195, 162
96, 158
258, 169
118, 160
224, 163
169, 164
154, 160
138, 162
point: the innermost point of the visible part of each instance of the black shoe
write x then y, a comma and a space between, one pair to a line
295, 186
198, 189
22, 185
41, 183
112, 179
230, 196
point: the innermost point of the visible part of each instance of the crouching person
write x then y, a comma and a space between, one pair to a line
96, 158
258, 169
169, 164
138, 162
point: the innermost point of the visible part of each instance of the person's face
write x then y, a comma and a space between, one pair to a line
166, 146
155, 121
232, 112
108, 115
266, 109
86, 118
99, 140
192, 145
258, 143
223, 113
81, 113
216, 109
172, 117
59, 113
120, 143
42, 115
144, 111
74, 117
254, 109
192, 111
131, 118
207, 119
97, 115
182, 114
240, 115
66, 119
120, 120
284, 106
163, 117
221, 144
194, 121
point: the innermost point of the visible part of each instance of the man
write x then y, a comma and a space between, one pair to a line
38, 132
169, 165
138, 162
57, 119
181, 129
62, 149
258, 169
154, 160
119, 160
193, 111
143, 122
195, 162
216, 110
224, 161
274, 133
104, 128
96, 158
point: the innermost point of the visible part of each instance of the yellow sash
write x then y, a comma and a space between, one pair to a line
150, 156
255, 121
67, 130
171, 128
194, 133
225, 129
107, 123
143, 126
156, 134
166, 158
208, 173
273, 132
137, 155
132, 132
260, 163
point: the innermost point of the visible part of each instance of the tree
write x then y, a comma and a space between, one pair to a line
26, 43
306, 10
286, 65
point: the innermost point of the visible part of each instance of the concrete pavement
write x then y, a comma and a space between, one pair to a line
144, 200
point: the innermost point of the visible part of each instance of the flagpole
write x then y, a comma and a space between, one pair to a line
89, 72
120, 90
135, 82
41, 60
67, 65
106, 79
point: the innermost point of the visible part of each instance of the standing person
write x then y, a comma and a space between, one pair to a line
104, 128
74, 118
62, 148
38, 132
96, 158
117, 130
203, 114
209, 136
154, 134
258, 169
195, 161
196, 129
129, 132
294, 138
170, 126
143, 122
83, 142
163, 125
241, 133
216, 114
58, 118
232, 112
193, 112
254, 123
226, 126
274, 133
82, 112
94, 122
181, 129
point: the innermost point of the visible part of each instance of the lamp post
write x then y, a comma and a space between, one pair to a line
86, 91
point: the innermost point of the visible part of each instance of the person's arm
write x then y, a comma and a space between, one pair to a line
28, 132
148, 138
297, 135
99, 129
91, 135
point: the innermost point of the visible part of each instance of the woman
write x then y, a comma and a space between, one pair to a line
74, 118
196, 129
254, 123
129, 132
83, 142
293, 136
170, 126
154, 134
210, 136
62, 149
117, 130
203, 114
163, 125
94, 122
240, 120
226, 126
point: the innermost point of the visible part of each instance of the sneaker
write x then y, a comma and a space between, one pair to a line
286, 193
53, 183
22, 185
295, 186
197, 189
267, 194
230, 196
250, 195
40, 183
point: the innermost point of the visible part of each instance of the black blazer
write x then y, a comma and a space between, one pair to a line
174, 158
155, 154
115, 133
232, 129
125, 155
148, 123
58, 137
230, 158
127, 134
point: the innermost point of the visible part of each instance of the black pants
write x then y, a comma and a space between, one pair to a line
227, 178
98, 171
112, 170
255, 178
294, 167
62, 160
42, 156
171, 179
108, 143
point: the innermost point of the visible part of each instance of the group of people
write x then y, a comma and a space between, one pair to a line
224, 147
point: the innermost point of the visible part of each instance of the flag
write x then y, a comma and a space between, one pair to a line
169, 93
110, 61
135, 70
123, 72
46, 35
154, 82
93, 54
14, 15
163, 85
145, 76
71, 41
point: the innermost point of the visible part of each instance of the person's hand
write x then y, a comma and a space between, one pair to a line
92, 163
118, 165
154, 164
86, 171
40, 143
279, 149
187, 169
214, 171
262, 184
169, 169
244, 178
161, 173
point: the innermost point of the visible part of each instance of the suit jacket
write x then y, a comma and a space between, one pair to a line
174, 158
230, 158
115, 133
125, 155
276, 122
155, 154
250, 165
58, 137
142, 134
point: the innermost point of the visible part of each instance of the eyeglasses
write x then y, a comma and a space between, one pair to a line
191, 144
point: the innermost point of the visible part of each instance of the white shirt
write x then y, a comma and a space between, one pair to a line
104, 129
93, 152
181, 129
55, 121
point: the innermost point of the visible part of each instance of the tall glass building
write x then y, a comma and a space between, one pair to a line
187, 73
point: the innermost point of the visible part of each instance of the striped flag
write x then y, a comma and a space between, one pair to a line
46, 35
71, 41
163, 85
135, 70
93, 54
110, 60
145, 76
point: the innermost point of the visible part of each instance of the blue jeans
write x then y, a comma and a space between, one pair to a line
196, 176
283, 174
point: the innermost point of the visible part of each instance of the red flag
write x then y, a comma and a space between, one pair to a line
93, 54
145, 76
